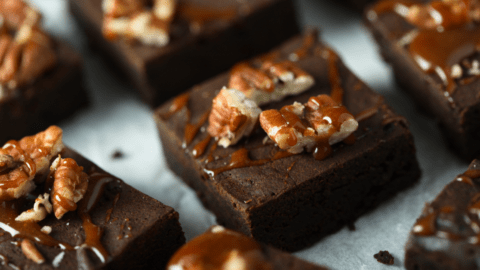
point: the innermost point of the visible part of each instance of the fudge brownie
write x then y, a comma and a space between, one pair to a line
107, 225
219, 248
290, 200
202, 39
35, 72
435, 60
446, 235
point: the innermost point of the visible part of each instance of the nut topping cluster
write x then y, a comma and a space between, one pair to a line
133, 20
26, 163
303, 126
271, 82
69, 186
26, 54
232, 117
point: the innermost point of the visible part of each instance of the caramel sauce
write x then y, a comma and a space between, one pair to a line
178, 104
238, 159
309, 40
199, 148
322, 150
443, 40
334, 76
200, 15
25, 230
365, 114
93, 233
213, 250
27, 168
468, 176
246, 77
68, 205
427, 225
110, 211
191, 130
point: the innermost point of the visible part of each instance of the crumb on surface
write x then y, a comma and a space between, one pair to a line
384, 257
118, 154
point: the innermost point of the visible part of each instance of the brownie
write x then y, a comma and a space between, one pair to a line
50, 97
114, 227
384, 257
291, 202
219, 248
446, 235
444, 83
160, 73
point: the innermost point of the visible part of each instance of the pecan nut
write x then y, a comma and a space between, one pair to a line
271, 82
31, 157
298, 127
233, 116
39, 212
31, 252
69, 186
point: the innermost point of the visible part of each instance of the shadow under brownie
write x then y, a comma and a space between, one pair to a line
294, 201
160, 73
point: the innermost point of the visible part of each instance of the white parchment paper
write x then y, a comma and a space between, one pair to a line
117, 120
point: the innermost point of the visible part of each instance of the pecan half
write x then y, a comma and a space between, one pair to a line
69, 186
31, 252
233, 116
41, 208
298, 127
31, 156
271, 82
132, 20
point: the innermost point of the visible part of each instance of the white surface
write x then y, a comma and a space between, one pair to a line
118, 120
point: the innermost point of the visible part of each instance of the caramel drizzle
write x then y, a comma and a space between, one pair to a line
426, 225
110, 211
309, 41
334, 76
199, 149
443, 40
468, 176
28, 167
178, 104
201, 15
93, 233
25, 230
191, 130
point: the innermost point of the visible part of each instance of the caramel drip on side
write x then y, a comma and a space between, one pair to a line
468, 176
191, 130
322, 150
93, 233
309, 40
25, 230
426, 226
334, 76
200, 148
110, 211
178, 103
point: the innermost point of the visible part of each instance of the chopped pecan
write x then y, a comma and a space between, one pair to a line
46, 229
32, 156
233, 116
41, 208
272, 82
6, 162
31, 252
297, 127
69, 186
330, 119
15, 12
132, 19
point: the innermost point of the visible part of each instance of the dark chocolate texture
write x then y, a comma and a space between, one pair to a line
53, 97
446, 235
160, 73
138, 231
457, 111
294, 201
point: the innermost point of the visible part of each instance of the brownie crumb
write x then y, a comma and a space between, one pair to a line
117, 154
384, 257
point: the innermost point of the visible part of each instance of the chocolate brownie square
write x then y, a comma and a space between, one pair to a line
288, 200
40, 76
446, 235
199, 40
435, 60
106, 225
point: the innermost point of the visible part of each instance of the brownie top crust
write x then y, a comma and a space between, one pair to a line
210, 16
253, 172
97, 231
443, 46
450, 224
